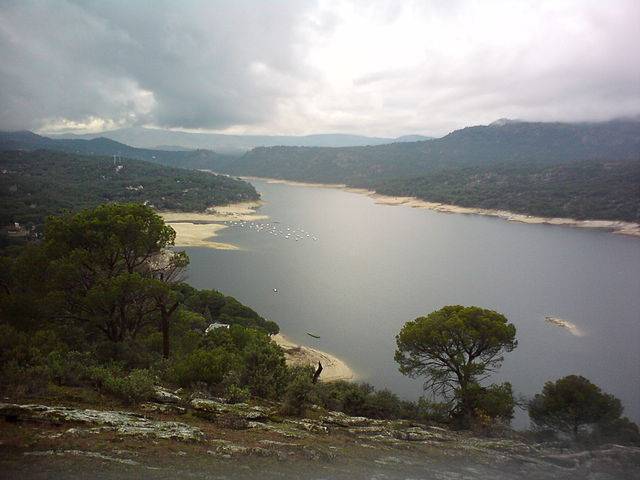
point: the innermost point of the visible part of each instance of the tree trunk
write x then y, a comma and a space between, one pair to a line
164, 325
317, 373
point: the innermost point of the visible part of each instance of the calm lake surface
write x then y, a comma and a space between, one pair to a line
374, 267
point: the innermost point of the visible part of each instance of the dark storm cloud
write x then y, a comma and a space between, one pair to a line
177, 64
379, 67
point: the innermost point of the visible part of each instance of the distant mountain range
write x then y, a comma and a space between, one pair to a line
25, 140
235, 144
504, 142
579, 170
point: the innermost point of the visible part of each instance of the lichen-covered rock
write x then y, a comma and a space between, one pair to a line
81, 453
162, 395
343, 420
123, 423
307, 425
213, 408
163, 408
417, 434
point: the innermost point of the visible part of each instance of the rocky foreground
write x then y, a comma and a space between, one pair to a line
207, 438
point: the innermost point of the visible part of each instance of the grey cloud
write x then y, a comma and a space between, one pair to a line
245, 64
175, 64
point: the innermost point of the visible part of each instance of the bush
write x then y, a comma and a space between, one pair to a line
495, 401
69, 368
135, 387
206, 366
264, 370
130, 353
430, 411
359, 400
21, 380
236, 394
299, 391
382, 404
621, 430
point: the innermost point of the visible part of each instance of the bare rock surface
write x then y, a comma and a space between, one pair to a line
212, 408
330, 445
123, 423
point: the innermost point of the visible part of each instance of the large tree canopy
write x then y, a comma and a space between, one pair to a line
111, 238
571, 402
113, 270
454, 348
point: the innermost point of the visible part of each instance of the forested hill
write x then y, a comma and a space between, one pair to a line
36, 184
194, 159
583, 171
510, 143
592, 189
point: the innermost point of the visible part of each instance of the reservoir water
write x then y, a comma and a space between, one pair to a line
374, 267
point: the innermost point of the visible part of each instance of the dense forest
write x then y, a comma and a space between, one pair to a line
519, 143
36, 184
584, 171
580, 190
581, 170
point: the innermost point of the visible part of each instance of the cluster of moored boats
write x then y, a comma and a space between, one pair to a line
276, 229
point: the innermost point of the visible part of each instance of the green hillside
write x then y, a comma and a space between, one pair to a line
36, 184
581, 190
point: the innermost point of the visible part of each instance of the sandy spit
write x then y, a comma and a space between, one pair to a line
566, 324
615, 226
199, 229
333, 368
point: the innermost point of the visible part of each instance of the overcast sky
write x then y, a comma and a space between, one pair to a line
382, 68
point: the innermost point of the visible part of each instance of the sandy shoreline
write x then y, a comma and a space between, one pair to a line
333, 368
199, 229
614, 226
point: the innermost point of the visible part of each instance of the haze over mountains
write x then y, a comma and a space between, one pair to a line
577, 170
236, 144
508, 143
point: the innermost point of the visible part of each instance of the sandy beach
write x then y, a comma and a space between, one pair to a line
614, 226
572, 328
199, 229
333, 368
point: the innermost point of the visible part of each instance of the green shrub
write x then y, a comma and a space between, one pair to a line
264, 370
129, 353
69, 368
21, 380
621, 430
299, 391
495, 401
261, 365
236, 394
207, 366
430, 411
382, 404
135, 387
342, 396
